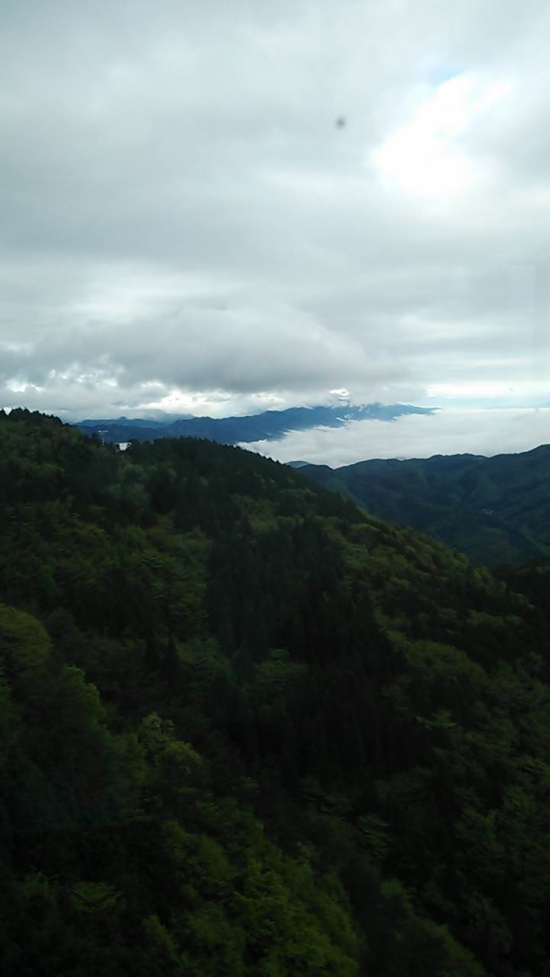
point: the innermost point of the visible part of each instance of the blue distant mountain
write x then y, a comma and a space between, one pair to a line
155, 419
133, 422
268, 426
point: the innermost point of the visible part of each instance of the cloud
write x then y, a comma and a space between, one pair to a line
452, 431
426, 156
183, 223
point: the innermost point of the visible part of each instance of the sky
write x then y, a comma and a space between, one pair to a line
222, 208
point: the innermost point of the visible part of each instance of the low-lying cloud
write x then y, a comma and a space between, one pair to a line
451, 431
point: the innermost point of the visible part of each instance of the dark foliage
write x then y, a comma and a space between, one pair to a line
496, 510
246, 729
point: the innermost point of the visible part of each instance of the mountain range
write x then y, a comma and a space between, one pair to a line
270, 425
248, 730
496, 510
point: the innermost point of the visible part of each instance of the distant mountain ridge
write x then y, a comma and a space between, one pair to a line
495, 510
267, 426
153, 420
143, 422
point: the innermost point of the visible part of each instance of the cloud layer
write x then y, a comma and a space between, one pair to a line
453, 431
184, 224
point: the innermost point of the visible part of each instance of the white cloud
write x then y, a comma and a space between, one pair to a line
452, 431
184, 223
426, 156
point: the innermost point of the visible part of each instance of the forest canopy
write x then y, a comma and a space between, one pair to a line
247, 729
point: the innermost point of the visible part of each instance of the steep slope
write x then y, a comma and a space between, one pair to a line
249, 730
496, 510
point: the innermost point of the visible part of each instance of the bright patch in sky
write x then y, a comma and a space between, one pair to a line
212, 404
488, 390
426, 156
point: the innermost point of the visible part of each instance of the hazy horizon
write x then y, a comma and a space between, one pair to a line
220, 215
446, 431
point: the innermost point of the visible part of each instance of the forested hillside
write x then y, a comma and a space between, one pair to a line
247, 729
496, 510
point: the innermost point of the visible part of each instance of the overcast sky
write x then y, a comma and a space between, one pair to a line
185, 225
